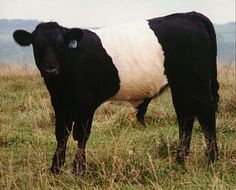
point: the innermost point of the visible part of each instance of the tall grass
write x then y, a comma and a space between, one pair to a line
120, 153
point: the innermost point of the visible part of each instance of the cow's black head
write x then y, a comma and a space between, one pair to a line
50, 42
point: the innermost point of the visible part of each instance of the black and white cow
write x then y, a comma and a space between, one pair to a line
132, 62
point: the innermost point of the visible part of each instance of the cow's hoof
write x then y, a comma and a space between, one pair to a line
180, 160
54, 170
79, 173
142, 122
212, 159
212, 155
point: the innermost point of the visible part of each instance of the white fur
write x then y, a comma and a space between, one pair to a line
138, 57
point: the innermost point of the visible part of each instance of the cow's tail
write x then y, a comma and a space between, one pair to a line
214, 85
214, 82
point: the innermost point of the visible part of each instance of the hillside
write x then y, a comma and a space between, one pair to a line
226, 42
12, 53
9, 51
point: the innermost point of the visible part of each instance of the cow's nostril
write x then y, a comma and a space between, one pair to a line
51, 72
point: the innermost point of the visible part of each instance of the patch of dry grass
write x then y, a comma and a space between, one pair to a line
8, 70
121, 154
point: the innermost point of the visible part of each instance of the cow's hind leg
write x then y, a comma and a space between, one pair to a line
141, 110
207, 120
185, 133
185, 117
63, 128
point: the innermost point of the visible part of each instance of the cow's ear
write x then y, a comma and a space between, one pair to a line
73, 36
22, 37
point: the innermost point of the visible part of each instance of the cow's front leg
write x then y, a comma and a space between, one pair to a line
81, 132
63, 128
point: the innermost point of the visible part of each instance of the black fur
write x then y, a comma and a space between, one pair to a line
189, 44
24, 36
78, 80
141, 110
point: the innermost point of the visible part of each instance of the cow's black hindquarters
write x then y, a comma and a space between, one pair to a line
213, 56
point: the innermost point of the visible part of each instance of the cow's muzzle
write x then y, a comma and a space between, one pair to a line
51, 72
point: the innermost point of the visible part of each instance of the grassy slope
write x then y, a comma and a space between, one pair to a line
121, 154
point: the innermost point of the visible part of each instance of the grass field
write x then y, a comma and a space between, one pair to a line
120, 153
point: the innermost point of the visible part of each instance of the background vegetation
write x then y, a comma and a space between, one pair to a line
120, 153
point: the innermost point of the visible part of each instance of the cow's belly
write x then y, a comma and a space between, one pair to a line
138, 83
138, 57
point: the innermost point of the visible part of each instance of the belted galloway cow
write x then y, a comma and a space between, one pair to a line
133, 62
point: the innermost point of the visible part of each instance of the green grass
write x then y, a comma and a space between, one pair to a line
120, 153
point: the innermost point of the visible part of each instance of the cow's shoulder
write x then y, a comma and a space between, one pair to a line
90, 68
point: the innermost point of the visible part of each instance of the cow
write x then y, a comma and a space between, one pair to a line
134, 62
